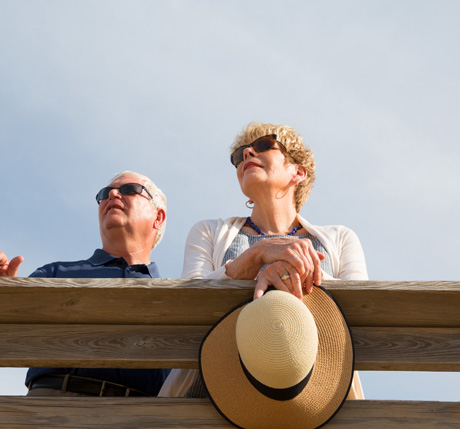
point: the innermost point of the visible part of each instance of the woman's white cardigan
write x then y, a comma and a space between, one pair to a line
205, 248
209, 240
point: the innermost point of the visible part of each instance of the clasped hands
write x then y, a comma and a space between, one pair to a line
291, 264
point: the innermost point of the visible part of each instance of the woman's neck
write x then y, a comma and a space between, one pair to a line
277, 219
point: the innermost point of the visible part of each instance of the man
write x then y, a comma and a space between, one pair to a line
132, 220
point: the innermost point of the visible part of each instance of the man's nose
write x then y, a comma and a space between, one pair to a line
114, 193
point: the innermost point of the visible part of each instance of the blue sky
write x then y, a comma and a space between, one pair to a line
91, 88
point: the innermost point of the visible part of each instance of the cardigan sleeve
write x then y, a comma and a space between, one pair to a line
352, 265
199, 252
346, 251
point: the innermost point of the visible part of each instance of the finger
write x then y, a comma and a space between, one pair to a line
296, 258
307, 277
275, 272
3, 264
314, 259
271, 276
3, 259
294, 283
14, 265
292, 251
261, 287
309, 283
317, 273
308, 255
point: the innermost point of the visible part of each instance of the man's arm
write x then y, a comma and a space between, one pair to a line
9, 269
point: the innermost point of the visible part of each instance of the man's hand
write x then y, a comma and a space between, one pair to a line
9, 269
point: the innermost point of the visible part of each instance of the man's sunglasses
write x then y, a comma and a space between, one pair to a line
262, 144
126, 189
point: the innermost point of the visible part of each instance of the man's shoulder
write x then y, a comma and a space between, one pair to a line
54, 268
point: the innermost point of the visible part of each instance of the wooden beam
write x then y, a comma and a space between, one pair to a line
100, 346
203, 302
407, 349
143, 346
84, 412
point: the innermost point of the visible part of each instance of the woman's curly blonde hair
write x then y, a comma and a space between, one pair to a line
298, 153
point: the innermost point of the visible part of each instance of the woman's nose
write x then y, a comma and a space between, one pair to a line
249, 151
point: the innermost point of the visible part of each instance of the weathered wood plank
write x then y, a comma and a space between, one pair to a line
397, 414
142, 413
165, 283
420, 308
125, 301
203, 302
407, 349
100, 346
141, 346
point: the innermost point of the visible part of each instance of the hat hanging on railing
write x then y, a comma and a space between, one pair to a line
278, 362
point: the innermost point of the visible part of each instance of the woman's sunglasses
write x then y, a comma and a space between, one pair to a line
262, 144
126, 189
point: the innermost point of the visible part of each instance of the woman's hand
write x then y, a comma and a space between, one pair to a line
9, 269
299, 253
283, 276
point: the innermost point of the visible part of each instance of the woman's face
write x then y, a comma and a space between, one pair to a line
258, 171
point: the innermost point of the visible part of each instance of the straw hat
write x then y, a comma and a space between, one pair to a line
279, 363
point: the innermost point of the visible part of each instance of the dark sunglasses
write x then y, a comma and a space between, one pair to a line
126, 189
262, 144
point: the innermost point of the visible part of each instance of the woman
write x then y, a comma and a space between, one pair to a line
274, 245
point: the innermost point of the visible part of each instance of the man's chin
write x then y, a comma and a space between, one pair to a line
113, 221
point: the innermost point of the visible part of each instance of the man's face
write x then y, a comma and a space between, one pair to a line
134, 213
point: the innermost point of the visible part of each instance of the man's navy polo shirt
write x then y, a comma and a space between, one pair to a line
104, 265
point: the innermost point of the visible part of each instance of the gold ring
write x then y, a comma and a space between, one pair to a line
285, 277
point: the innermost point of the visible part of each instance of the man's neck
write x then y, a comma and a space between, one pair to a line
133, 252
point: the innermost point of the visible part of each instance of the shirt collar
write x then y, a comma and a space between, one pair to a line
101, 257
153, 270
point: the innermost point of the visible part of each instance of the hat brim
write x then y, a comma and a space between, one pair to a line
243, 405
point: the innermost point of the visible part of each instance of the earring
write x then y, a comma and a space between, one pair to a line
248, 204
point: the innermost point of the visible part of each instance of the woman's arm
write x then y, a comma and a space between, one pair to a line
352, 261
198, 251
284, 256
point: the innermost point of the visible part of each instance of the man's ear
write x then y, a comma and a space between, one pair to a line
161, 218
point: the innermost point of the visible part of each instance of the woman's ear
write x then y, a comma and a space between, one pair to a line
300, 174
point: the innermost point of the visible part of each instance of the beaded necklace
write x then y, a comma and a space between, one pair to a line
257, 229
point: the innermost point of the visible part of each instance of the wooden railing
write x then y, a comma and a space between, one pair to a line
133, 323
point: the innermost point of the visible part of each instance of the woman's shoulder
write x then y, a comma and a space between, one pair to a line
333, 229
215, 224
332, 232
216, 227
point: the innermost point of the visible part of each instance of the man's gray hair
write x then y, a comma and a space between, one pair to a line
158, 200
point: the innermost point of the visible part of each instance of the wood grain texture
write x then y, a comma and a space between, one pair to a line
143, 413
141, 346
203, 302
138, 323
100, 346
407, 349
